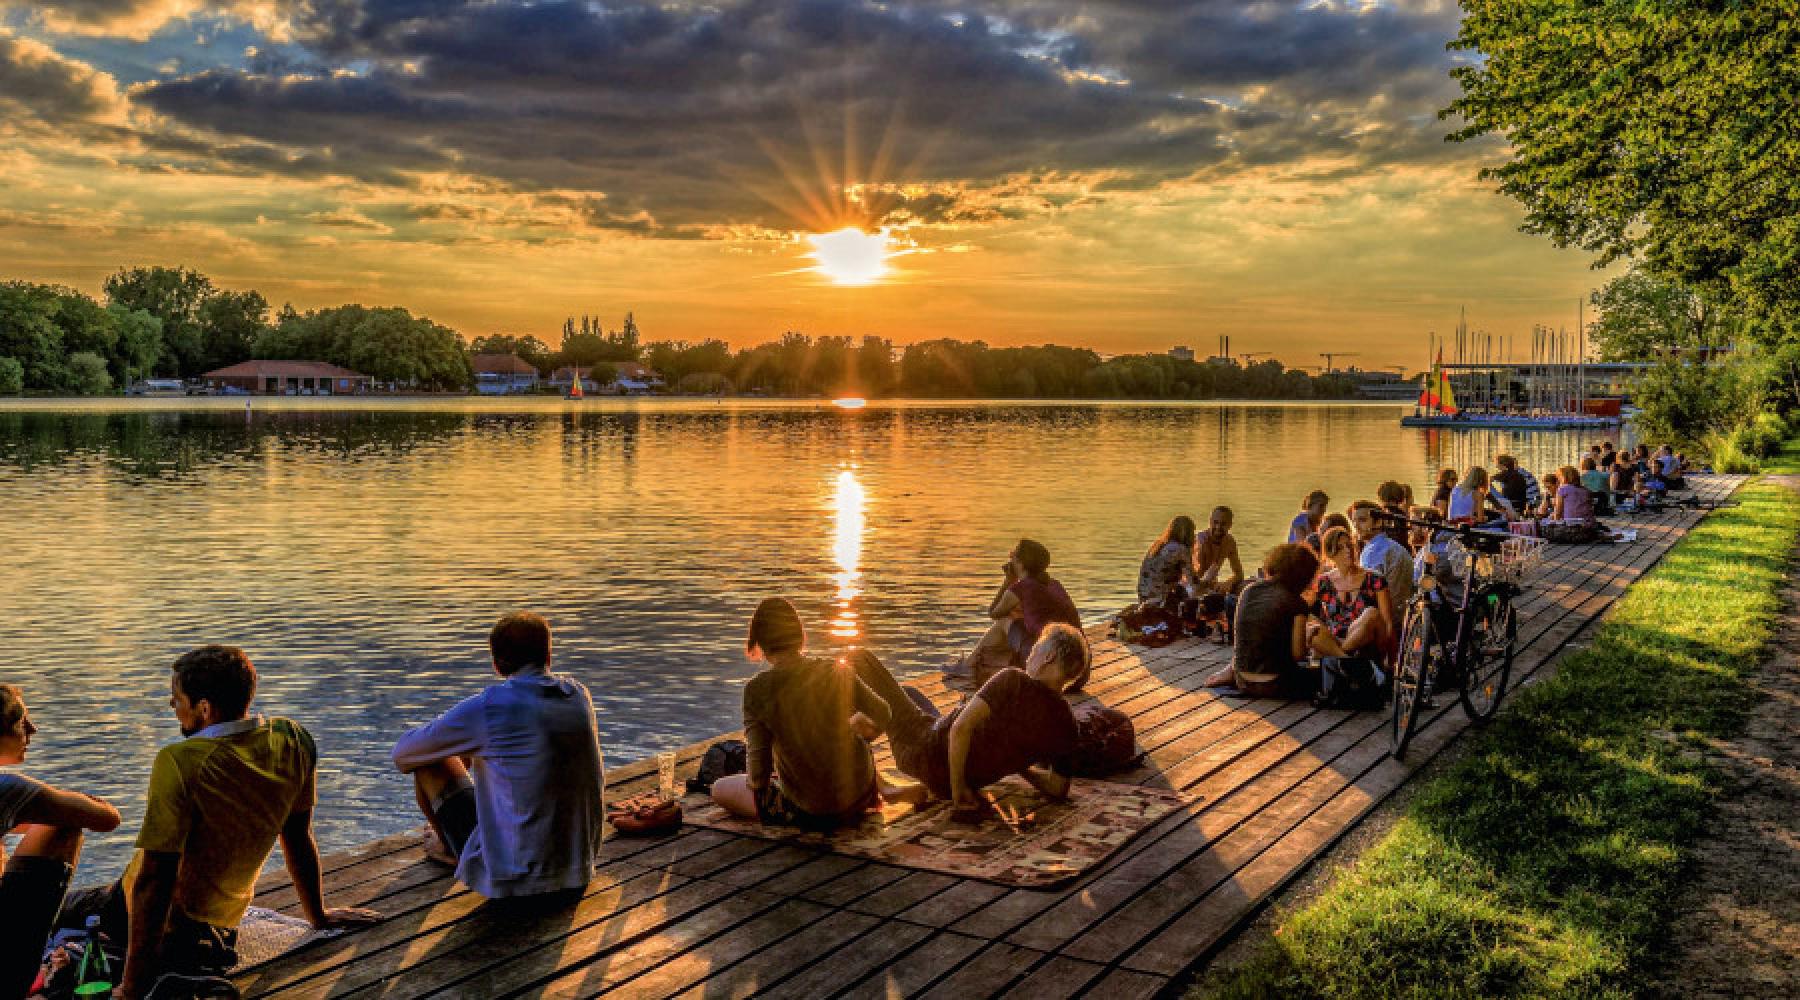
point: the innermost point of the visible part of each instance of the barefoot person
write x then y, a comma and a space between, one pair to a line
1029, 598
510, 779
220, 799
807, 767
1269, 650
50, 823
1018, 723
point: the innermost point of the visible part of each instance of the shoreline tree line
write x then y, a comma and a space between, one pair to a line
161, 322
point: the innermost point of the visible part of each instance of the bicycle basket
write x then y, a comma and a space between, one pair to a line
1518, 558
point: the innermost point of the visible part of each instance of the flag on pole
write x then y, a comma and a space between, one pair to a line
1437, 394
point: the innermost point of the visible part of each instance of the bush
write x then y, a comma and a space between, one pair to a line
87, 374
12, 377
1728, 455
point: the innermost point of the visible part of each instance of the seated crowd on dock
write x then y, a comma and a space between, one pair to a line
510, 780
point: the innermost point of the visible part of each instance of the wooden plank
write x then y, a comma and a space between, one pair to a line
850, 962
915, 970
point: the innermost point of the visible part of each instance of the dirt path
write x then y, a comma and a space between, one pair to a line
1738, 930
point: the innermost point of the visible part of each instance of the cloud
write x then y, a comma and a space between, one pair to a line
37, 82
349, 219
691, 119
134, 19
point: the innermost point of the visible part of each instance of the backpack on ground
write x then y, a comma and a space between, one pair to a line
722, 758
1105, 741
1350, 682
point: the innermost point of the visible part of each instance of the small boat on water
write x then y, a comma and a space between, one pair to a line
574, 388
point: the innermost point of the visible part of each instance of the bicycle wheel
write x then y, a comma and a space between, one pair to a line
1412, 675
1490, 657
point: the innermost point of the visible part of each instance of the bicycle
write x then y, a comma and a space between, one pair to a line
1478, 659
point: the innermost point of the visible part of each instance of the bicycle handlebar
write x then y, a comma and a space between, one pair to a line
1485, 539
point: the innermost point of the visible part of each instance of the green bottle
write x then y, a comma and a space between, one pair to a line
94, 976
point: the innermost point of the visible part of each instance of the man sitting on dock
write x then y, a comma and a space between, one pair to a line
1516, 486
219, 800
527, 821
1018, 723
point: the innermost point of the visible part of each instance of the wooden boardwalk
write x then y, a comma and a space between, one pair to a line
704, 913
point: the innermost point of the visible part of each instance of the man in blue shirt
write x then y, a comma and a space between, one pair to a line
510, 778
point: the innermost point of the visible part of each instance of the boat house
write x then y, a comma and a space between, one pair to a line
288, 378
502, 373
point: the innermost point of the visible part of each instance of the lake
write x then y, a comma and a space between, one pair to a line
359, 550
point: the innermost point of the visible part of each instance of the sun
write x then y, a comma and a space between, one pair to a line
850, 256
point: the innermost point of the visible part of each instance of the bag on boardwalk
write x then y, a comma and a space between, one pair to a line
722, 758
1564, 533
1105, 741
1149, 625
1350, 682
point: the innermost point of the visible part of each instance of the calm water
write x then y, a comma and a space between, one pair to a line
359, 551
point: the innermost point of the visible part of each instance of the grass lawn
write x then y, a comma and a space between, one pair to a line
1545, 861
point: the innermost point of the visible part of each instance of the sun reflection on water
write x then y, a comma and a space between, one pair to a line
846, 550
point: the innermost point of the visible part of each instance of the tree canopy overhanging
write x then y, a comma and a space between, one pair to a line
1662, 130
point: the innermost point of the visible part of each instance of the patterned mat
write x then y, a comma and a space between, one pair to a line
1026, 840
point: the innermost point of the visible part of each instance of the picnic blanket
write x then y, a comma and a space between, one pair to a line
1026, 840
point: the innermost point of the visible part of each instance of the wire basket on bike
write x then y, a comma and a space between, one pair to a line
1518, 558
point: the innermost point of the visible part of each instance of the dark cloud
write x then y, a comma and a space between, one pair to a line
38, 82
681, 118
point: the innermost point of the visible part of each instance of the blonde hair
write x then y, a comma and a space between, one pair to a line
1475, 480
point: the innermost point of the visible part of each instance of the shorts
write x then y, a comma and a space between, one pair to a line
456, 817
31, 896
190, 948
774, 808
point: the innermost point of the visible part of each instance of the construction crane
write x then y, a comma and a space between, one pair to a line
1336, 354
1253, 356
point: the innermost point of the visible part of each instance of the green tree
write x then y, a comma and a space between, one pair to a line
29, 333
12, 377
138, 345
1666, 131
389, 344
1642, 316
87, 374
230, 322
173, 295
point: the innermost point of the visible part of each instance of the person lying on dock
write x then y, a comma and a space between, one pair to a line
807, 767
1166, 564
510, 779
1270, 644
50, 822
1018, 723
1214, 549
1306, 523
1029, 598
220, 799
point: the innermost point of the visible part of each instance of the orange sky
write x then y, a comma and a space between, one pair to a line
1296, 207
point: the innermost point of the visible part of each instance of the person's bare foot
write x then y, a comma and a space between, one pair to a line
1222, 679
912, 793
436, 851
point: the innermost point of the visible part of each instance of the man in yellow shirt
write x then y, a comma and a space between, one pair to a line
219, 800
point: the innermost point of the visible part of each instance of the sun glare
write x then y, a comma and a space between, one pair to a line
850, 256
